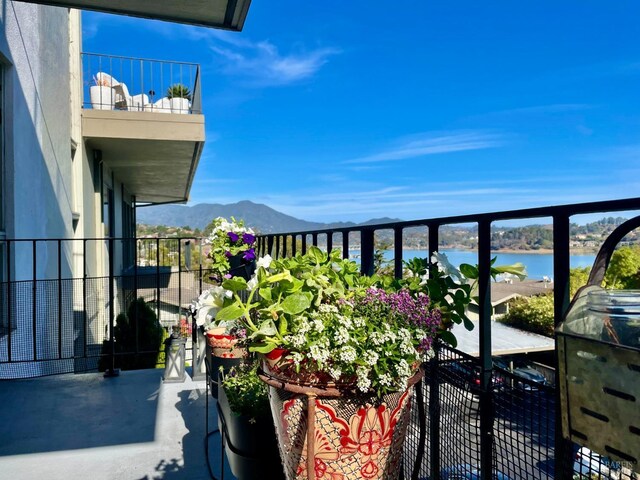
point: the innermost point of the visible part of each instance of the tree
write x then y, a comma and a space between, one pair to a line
534, 314
624, 269
578, 278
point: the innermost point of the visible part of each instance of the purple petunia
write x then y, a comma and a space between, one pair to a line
228, 254
249, 255
227, 276
233, 236
248, 238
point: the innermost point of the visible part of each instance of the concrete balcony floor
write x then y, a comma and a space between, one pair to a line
132, 427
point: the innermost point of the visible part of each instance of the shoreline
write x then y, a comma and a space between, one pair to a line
541, 251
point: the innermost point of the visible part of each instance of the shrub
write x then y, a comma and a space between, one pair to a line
150, 336
533, 314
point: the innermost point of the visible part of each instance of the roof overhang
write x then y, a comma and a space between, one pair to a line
224, 14
155, 155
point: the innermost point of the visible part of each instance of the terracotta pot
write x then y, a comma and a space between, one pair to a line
223, 345
324, 432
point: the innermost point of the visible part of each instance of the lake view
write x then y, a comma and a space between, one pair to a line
538, 264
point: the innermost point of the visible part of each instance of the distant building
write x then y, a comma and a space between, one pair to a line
503, 292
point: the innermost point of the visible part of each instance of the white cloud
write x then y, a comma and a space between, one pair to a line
261, 63
428, 144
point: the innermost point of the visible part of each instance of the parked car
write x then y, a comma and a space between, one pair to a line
467, 471
465, 374
588, 465
524, 369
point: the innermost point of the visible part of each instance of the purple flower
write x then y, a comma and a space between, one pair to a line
227, 276
249, 255
228, 254
233, 236
248, 238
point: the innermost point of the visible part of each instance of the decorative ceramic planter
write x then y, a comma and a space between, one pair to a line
324, 432
223, 345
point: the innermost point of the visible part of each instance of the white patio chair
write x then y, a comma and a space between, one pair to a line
125, 101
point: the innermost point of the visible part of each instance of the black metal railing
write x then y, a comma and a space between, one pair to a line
521, 439
138, 84
72, 305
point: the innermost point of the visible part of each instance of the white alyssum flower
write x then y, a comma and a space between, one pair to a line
376, 338
297, 357
371, 358
359, 322
363, 382
318, 325
298, 340
347, 354
335, 372
402, 368
341, 336
327, 308
385, 380
319, 353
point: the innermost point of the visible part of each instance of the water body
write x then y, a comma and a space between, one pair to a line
538, 264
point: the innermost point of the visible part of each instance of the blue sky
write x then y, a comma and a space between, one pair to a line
354, 110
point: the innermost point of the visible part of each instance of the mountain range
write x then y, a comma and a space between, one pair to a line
258, 216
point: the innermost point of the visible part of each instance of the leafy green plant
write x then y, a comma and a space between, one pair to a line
450, 289
247, 394
178, 90
534, 314
140, 324
335, 324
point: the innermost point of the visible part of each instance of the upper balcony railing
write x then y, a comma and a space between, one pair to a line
141, 85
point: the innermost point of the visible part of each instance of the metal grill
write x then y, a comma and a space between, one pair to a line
62, 325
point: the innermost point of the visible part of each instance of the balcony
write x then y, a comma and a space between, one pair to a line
467, 411
224, 14
144, 117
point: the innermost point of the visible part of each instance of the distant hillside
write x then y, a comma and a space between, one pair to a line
258, 216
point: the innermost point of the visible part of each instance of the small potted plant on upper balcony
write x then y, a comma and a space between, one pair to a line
180, 98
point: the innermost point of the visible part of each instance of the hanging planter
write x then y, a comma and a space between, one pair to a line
329, 432
224, 345
239, 267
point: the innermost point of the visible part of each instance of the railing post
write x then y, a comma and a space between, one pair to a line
486, 363
294, 245
397, 252
561, 274
304, 243
157, 279
329, 242
59, 298
345, 244
434, 383
284, 246
34, 294
367, 266
84, 298
179, 279
111, 371
270, 245
9, 295
314, 239
277, 255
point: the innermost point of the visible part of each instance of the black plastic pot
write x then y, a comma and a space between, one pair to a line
217, 365
239, 267
250, 443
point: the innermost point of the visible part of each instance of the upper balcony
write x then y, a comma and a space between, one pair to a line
145, 117
224, 14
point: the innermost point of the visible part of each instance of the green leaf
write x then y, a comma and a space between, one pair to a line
448, 337
469, 271
468, 324
231, 312
279, 277
317, 255
235, 284
282, 327
296, 303
262, 348
266, 294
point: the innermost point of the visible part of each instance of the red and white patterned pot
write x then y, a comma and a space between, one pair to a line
223, 345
